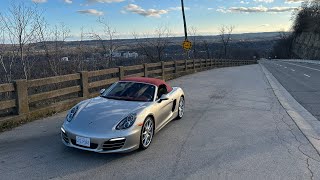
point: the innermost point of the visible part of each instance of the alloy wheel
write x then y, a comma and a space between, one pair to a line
147, 133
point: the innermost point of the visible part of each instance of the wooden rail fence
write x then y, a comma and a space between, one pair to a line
32, 99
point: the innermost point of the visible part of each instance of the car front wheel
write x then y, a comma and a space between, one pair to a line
147, 133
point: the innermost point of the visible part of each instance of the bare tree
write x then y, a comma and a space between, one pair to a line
79, 60
283, 48
107, 39
59, 35
6, 60
43, 34
20, 23
154, 47
144, 46
206, 47
225, 37
193, 31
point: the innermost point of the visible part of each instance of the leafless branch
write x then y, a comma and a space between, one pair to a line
225, 37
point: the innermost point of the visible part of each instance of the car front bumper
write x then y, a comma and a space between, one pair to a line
122, 141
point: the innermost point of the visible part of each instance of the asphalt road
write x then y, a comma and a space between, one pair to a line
301, 80
234, 128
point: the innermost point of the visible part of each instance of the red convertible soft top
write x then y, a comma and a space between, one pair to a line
154, 81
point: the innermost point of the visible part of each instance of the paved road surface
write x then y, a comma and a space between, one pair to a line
234, 128
301, 80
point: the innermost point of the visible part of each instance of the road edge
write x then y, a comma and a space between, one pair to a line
304, 120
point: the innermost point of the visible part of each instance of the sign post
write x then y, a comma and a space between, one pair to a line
184, 21
186, 44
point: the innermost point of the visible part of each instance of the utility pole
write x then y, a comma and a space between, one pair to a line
184, 21
187, 45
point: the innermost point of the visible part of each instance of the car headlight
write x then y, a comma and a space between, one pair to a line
72, 113
127, 122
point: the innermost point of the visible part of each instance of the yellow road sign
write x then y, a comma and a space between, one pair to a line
187, 45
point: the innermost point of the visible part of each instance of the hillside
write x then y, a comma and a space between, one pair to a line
306, 35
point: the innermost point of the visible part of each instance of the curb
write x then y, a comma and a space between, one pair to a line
306, 122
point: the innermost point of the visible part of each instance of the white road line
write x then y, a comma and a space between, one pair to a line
306, 75
303, 66
285, 67
293, 70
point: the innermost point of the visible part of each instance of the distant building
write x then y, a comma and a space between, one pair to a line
122, 54
130, 55
66, 59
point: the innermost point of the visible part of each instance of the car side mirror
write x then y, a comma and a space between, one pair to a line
164, 97
102, 91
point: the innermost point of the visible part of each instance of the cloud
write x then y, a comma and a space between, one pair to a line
133, 8
91, 12
68, 1
244, 2
104, 1
258, 9
178, 8
264, 25
264, 1
294, 1
39, 1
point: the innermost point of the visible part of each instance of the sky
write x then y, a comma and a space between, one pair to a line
144, 16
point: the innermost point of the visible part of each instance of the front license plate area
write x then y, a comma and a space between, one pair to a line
83, 141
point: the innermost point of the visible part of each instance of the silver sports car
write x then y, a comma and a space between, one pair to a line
124, 118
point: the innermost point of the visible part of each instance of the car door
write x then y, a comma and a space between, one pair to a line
164, 108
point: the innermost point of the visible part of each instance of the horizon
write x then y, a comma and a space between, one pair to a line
181, 36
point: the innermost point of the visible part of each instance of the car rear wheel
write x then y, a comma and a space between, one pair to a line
147, 133
181, 107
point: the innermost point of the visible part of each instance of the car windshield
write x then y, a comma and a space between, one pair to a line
131, 91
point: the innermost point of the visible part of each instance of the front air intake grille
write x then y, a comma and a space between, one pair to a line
92, 145
113, 145
65, 137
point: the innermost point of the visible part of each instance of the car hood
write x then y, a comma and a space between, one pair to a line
100, 115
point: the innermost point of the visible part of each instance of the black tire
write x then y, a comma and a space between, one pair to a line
181, 109
145, 133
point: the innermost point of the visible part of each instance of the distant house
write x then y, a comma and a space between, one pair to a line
114, 54
122, 54
130, 55
66, 59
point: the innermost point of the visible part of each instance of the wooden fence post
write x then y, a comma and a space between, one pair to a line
194, 65
84, 83
163, 70
186, 65
121, 72
175, 67
21, 88
145, 65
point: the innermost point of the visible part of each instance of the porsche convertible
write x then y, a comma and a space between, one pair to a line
125, 117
